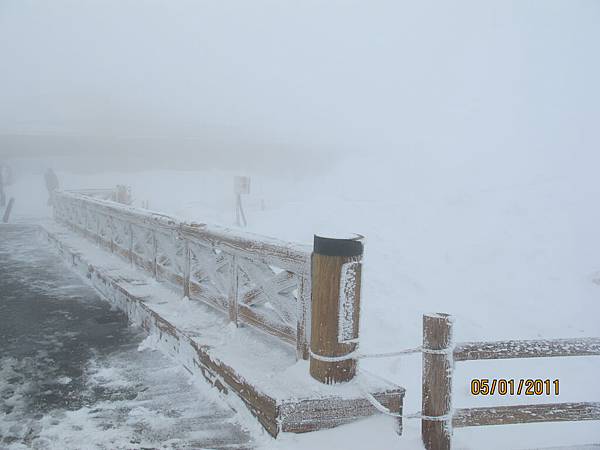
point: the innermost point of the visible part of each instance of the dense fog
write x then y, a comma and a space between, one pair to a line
290, 86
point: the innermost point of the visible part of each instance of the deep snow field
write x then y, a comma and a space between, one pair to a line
511, 254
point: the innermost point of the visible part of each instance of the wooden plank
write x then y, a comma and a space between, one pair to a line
286, 255
207, 268
143, 263
284, 305
166, 274
537, 348
507, 415
280, 330
305, 415
210, 297
282, 282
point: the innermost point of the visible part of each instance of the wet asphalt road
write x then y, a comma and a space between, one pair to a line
71, 374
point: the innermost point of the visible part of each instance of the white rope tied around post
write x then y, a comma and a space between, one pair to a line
444, 351
357, 355
376, 403
384, 410
407, 351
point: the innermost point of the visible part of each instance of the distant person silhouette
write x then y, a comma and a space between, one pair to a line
51, 184
2, 194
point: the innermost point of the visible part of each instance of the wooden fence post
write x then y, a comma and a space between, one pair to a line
436, 410
336, 273
98, 238
233, 289
131, 244
187, 263
111, 231
87, 219
154, 255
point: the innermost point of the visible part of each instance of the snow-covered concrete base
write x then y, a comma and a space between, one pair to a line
258, 369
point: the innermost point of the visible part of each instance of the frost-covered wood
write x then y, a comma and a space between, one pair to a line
538, 348
506, 415
279, 398
102, 193
438, 357
266, 287
336, 278
347, 318
436, 407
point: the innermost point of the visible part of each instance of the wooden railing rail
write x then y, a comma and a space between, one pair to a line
535, 348
99, 193
508, 415
439, 356
260, 281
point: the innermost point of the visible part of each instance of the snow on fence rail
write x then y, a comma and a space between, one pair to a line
263, 282
119, 194
439, 355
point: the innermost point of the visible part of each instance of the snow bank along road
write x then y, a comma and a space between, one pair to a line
73, 375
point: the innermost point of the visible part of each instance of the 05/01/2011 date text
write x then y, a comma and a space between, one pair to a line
501, 386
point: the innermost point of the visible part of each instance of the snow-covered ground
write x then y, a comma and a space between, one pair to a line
75, 376
510, 254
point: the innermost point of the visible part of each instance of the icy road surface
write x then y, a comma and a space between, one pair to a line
73, 375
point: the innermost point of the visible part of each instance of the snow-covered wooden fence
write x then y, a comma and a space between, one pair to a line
440, 353
119, 194
259, 281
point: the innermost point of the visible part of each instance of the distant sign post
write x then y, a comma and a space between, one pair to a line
241, 186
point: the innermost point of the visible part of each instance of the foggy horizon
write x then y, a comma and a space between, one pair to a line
276, 84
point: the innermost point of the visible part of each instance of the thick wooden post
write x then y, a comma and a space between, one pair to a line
436, 410
336, 273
